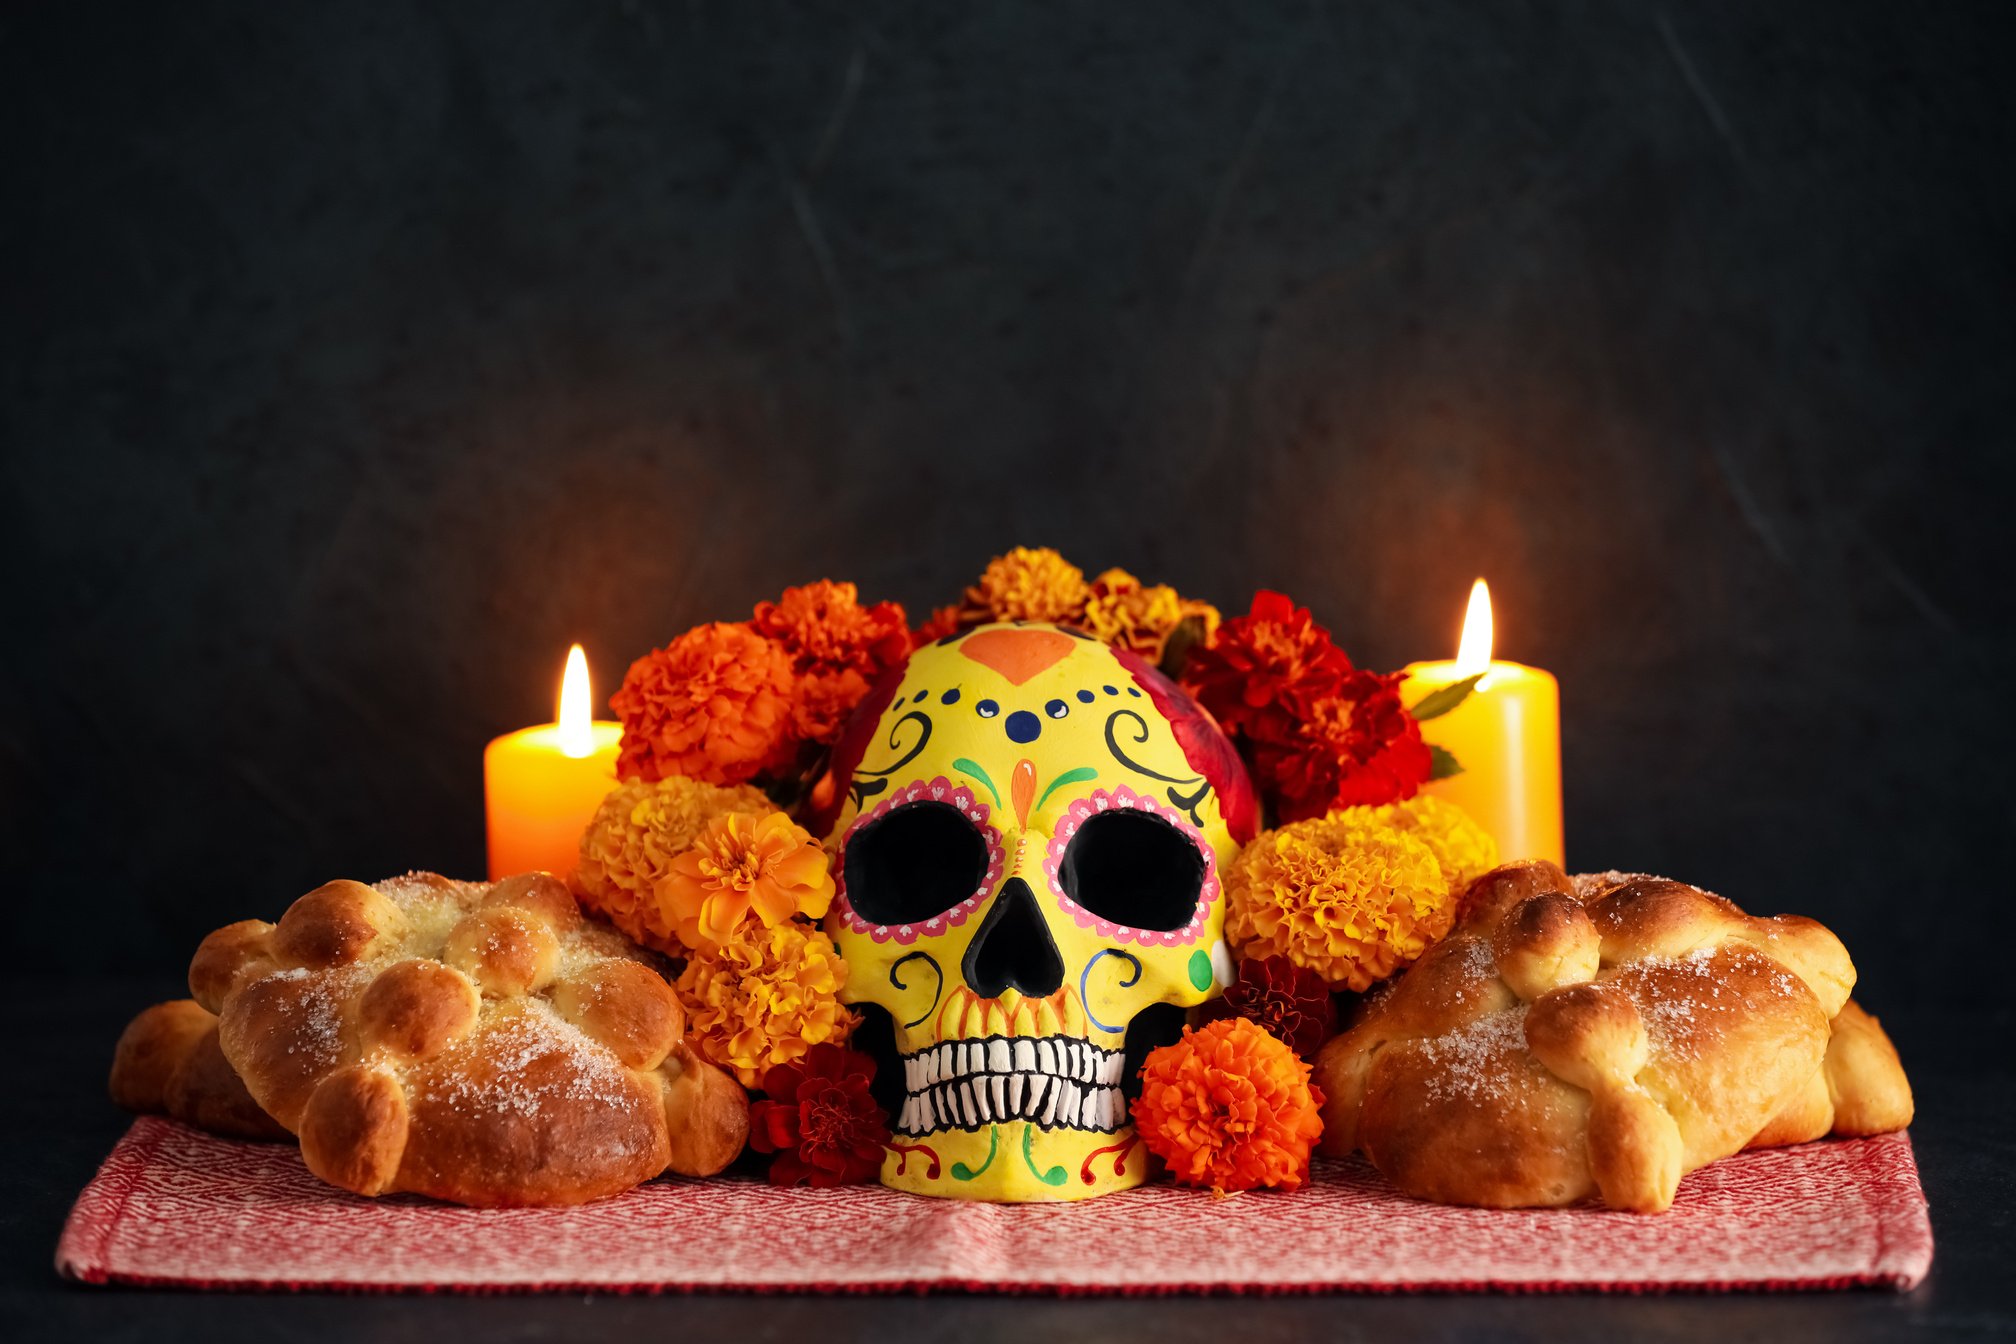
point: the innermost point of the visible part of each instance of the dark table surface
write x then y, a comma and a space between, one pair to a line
59, 1126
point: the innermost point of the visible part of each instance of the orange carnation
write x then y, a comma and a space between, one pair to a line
714, 705
1229, 1108
1028, 584
768, 865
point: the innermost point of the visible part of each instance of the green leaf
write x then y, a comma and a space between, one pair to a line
1441, 763
1437, 703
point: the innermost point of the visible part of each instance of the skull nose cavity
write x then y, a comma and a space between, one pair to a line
1013, 949
1024, 727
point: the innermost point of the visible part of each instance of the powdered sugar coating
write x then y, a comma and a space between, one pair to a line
1474, 1061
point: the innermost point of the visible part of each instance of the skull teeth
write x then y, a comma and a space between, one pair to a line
1052, 1082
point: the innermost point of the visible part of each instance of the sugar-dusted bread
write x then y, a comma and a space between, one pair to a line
1603, 1039
481, 1043
168, 1062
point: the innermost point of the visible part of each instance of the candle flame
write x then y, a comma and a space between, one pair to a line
1473, 654
577, 720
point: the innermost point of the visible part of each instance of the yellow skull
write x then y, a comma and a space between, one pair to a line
1028, 860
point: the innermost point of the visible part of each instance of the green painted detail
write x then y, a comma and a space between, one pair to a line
1078, 776
962, 1172
1201, 974
1054, 1176
973, 768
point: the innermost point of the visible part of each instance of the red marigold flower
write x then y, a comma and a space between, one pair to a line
713, 705
1264, 672
1359, 747
1291, 1002
820, 1120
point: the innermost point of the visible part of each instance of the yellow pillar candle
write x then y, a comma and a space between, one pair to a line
1507, 737
541, 785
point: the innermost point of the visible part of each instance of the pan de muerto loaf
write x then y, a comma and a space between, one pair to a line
168, 1063
481, 1043
1603, 1038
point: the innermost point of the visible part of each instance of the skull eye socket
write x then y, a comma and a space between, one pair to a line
914, 862
1134, 868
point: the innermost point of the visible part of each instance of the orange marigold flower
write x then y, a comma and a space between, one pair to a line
1351, 900
765, 997
739, 864
1229, 1108
1028, 584
629, 845
825, 629
823, 702
837, 648
714, 704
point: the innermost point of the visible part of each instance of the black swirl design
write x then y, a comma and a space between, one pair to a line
867, 783
896, 979
1188, 803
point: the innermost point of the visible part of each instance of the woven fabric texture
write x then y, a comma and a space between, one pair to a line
172, 1206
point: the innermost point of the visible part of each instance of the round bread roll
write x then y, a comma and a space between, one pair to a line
1603, 1036
480, 1043
168, 1062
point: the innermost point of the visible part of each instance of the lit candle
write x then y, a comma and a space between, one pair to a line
541, 785
1506, 734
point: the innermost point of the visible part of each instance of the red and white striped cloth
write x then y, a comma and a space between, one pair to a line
172, 1206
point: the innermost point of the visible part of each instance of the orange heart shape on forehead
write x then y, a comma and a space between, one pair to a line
1018, 654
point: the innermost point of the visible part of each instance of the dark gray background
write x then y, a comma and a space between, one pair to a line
357, 358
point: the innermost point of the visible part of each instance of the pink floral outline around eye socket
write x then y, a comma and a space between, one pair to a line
939, 790
1103, 800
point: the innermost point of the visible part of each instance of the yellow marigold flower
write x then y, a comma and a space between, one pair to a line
1124, 611
1029, 585
1351, 900
1464, 849
740, 865
765, 997
628, 849
1204, 612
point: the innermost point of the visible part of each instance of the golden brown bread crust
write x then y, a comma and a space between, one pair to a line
168, 1063
1602, 1037
478, 1043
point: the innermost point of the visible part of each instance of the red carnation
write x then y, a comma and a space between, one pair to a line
1291, 1002
820, 1120
1265, 672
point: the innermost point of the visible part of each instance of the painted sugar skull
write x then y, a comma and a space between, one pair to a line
1029, 829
